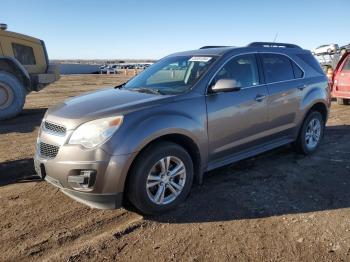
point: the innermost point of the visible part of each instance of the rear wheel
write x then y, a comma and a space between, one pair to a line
311, 133
343, 101
12, 96
161, 178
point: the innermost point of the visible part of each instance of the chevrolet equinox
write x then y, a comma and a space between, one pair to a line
147, 140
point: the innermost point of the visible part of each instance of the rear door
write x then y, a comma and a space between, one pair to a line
341, 86
285, 85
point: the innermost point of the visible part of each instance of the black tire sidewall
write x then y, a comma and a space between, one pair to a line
137, 192
19, 94
302, 142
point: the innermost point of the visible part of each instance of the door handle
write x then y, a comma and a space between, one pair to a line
260, 98
302, 87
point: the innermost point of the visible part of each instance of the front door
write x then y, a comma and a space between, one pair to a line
237, 120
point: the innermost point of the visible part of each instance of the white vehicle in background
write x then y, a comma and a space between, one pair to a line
108, 69
326, 49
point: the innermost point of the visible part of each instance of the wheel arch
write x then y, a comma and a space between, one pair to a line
180, 139
12, 66
320, 107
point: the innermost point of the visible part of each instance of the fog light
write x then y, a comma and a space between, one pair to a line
85, 179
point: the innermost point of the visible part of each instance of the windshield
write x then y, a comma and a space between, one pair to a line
172, 75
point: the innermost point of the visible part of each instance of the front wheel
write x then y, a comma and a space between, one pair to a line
161, 178
311, 133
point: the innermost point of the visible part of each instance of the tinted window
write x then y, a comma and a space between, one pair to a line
277, 68
24, 54
243, 69
298, 73
347, 64
311, 61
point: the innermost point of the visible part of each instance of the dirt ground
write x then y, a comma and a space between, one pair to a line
279, 206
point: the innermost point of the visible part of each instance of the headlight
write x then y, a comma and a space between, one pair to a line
96, 132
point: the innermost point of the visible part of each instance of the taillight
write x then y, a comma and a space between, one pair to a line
335, 81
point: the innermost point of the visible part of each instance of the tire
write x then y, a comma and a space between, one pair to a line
12, 96
303, 144
145, 198
343, 101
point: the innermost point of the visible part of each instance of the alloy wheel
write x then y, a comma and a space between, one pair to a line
166, 180
313, 133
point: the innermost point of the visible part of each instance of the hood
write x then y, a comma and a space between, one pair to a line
99, 104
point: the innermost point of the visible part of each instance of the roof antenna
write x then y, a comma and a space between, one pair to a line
276, 35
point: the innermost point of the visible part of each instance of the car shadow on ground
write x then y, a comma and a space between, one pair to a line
275, 183
18, 171
26, 122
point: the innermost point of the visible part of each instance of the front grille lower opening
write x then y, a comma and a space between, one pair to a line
47, 150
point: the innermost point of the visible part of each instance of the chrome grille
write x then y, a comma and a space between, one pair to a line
54, 128
48, 151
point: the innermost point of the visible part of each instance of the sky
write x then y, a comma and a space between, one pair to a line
151, 29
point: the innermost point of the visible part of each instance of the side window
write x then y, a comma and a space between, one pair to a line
24, 54
346, 66
243, 69
277, 68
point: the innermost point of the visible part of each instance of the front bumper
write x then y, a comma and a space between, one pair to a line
106, 191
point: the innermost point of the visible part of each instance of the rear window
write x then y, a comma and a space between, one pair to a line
347, 64
24, 54
277, 68
311, 61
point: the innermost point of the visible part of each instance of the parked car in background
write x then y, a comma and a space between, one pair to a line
149, 139
326, 49
341, 80
107, 69
344, 48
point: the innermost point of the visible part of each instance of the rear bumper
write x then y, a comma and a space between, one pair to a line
339, 94
39, 81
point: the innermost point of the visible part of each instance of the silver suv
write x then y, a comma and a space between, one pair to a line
149, 139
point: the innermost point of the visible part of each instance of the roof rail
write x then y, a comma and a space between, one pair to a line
273, 44
212, 46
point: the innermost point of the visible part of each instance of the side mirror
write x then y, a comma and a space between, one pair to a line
225, 85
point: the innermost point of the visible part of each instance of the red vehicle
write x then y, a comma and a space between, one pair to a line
341, 80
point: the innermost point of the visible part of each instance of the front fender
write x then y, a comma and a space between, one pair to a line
186, 117
139, 134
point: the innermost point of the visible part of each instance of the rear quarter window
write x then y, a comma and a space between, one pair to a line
24, 54
311, 61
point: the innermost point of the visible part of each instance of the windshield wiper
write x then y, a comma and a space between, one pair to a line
147, 90
120, 86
